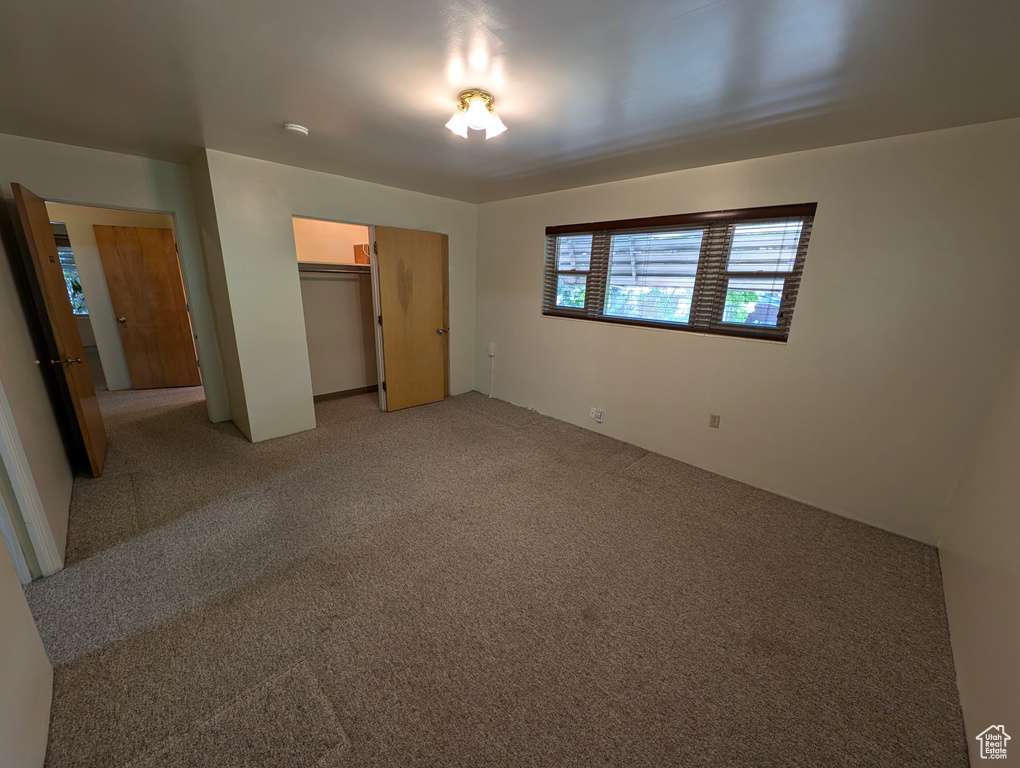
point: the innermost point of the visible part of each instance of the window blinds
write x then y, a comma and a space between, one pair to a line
730, 272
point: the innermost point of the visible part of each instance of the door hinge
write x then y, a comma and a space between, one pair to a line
380, 321
384, 386
375, 247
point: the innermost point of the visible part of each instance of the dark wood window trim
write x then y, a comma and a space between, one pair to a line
711, 282
683, 219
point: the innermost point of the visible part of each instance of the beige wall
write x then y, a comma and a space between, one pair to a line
26, 678
327, 242
63, 173
981, 573
254, 202
205, 213
79, 220
88, 337
339, 332
906, 313
22, 382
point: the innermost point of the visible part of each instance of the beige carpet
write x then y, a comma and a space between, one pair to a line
469, 583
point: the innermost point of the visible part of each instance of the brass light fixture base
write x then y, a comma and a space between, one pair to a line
464, 98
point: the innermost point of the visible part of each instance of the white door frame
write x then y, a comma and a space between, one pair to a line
26, 497
10, 536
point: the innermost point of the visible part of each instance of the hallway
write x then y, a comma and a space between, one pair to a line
472, 583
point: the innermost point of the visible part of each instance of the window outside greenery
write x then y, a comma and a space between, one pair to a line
664, 305
573, 260
651, 275
570, 291
73, 281
752, 307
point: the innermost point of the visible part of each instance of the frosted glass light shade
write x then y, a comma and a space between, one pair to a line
477, 114
495, 126
458, 124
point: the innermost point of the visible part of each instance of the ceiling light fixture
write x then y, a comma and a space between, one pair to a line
295, 128
474, 110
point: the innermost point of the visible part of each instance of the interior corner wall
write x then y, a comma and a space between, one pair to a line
903, 325
26, 677
254, 202
63, 173
981, 572
80, 220
205, 210
31, 407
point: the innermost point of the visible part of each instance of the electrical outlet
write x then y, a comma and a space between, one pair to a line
598, 416
713, 420
591, 413
492, 349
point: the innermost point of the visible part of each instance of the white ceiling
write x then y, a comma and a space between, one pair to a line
591, 90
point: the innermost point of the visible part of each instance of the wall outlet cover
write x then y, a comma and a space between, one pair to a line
713, 420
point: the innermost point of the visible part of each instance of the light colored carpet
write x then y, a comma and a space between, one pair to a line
469, 583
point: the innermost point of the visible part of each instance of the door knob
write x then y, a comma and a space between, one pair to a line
121, 319
441, 331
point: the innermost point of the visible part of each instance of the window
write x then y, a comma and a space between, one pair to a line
729, 272
651, 275
573, 260
71, 277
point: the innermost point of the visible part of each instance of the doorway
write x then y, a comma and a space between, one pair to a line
73, 266
376, 310
336, 296
127, 291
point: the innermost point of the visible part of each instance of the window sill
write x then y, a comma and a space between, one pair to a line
736, 336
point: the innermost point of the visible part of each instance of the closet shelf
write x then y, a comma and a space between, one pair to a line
334, 269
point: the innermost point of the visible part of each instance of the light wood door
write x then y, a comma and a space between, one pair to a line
412, 269
60, 331
147, 293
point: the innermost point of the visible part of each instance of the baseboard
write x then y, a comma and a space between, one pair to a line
345, 393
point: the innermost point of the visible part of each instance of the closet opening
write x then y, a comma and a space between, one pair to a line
377, 311
336, 294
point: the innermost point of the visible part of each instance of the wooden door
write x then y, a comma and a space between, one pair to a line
64, 345
147, 293
412, 273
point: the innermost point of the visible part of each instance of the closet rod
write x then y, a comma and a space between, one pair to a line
335, 271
